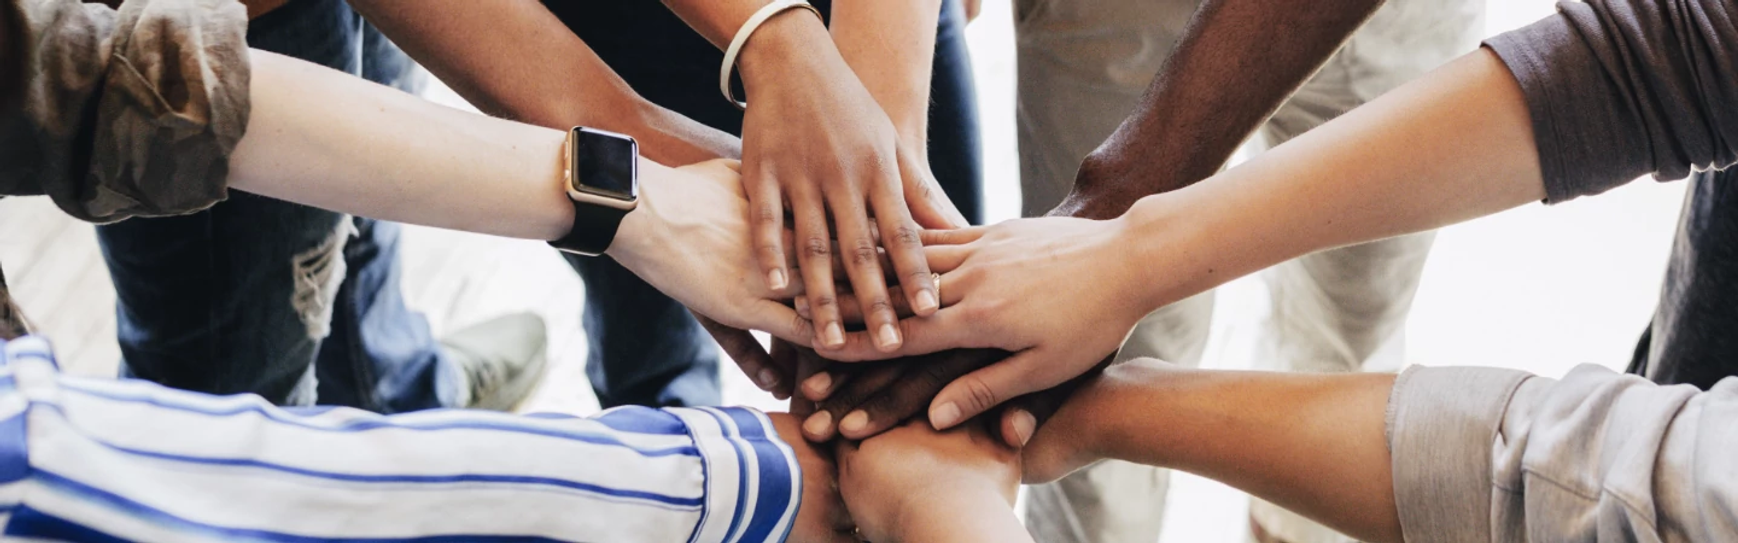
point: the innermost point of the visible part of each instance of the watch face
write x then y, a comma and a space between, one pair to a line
605, 164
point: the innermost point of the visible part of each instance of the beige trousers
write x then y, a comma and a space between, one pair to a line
1083, 65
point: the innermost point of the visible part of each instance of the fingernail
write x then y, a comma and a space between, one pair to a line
889, 337
944, 416
1024, 425
767, 378
803, 307
854, 422
818, 423
926, 301
776, 279
835, 335
818, 384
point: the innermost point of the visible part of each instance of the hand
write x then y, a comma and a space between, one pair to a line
914, 480
1060, 293
858, 401
814, 137
821, 514
689, 238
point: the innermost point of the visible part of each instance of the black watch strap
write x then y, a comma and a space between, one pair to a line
594, 228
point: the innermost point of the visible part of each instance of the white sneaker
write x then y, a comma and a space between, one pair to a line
498, 362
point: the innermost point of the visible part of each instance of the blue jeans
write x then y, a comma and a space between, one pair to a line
245, 297
645, 347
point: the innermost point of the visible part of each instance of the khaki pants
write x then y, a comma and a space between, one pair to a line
1083, 66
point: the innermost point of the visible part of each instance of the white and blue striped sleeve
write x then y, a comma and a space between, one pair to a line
105, 460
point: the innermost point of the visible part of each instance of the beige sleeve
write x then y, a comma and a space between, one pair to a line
131, 112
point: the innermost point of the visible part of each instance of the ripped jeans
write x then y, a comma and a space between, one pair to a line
246, 296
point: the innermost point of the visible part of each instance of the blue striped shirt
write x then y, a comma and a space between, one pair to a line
105, 460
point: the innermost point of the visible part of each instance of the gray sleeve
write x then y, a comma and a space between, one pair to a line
1622, 88
1498, 455
130, 112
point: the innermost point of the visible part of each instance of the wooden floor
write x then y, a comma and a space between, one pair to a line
454, 278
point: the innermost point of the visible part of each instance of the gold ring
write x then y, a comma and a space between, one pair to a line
937, 277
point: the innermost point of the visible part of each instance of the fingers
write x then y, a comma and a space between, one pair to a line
862, 385
754, 360
959, 236
946, 258
899, 235
863, 266
814, 254
946, 329
851, 310
766, 214
863, 415
986, 388
928, 204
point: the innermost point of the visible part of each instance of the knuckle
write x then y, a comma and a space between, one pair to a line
880, 305
824, 300
906, 235
981, 395
863, 252
769, 214
816, 247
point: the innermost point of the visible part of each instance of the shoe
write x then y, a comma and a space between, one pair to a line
498, 362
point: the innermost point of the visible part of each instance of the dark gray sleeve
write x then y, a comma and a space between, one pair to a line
1622, 88
131, 112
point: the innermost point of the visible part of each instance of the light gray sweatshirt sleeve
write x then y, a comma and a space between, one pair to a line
1497, 455
1618, 89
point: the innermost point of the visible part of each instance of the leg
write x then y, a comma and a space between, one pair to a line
955, 150
1083, 67
1690, 340
1336, 311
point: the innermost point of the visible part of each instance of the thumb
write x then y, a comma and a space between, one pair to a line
930, 206
985, 388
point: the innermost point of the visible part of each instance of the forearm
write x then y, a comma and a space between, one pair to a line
323, 138
890, 45
515, 59
1229, 72
1313, 444
791, 43
1454, 145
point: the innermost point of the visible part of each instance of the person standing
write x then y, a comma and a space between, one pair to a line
1085, 66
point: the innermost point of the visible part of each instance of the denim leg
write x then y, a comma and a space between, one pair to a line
381, 355
955, 147
234, 299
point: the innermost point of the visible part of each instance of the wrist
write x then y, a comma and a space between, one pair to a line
639, 226
792, 41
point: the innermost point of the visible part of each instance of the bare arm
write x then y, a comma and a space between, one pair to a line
1314, 444
323, 138
1229, 72
515, 59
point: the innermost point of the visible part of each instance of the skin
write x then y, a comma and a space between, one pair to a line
496, 53
1049, 289
1227, 74
375, 152
1250, 430
916, 484
831, 114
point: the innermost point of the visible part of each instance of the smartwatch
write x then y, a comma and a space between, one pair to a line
602, 175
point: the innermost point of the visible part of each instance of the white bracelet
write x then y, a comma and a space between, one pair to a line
748, 28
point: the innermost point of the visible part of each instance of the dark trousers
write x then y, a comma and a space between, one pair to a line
1694, 334
645, 348
248, 295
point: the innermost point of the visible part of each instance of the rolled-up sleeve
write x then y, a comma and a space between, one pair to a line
132, 112
1498, 455
1618, 89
